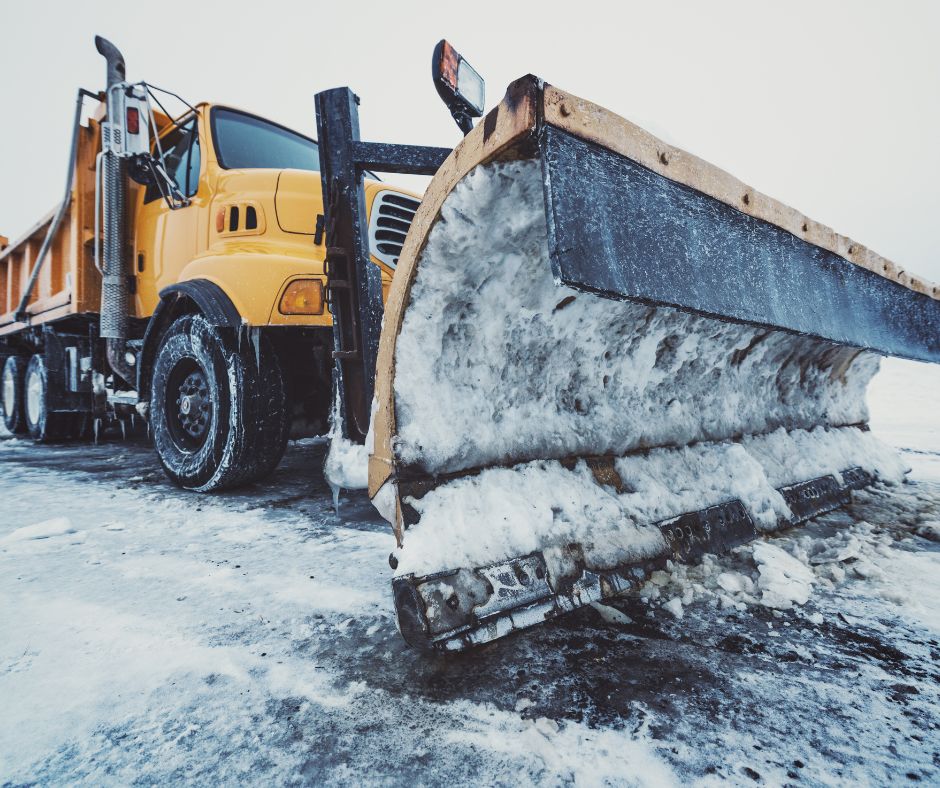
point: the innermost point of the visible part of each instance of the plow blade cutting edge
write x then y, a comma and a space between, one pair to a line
600, 352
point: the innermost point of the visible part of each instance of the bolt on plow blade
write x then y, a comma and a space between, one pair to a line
599, 353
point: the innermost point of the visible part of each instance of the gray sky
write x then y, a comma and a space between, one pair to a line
832, 107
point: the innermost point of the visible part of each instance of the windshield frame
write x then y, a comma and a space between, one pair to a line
215, 139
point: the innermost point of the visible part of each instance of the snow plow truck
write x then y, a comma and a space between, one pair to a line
582, 353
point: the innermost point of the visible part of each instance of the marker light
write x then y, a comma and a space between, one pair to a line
458, 84
133, 120
471, 87
302, 297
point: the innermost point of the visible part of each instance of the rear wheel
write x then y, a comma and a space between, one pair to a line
218, 408
42, 423
11, 394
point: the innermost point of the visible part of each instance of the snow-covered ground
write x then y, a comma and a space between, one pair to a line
149, 635
904, 401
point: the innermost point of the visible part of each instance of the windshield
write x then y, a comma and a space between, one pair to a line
244, 141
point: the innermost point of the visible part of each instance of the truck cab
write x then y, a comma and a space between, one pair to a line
253, 225
243, 260
228, 346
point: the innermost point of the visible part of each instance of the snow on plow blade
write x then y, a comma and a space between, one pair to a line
456, 609
599, 353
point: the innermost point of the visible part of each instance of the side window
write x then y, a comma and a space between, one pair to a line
191, 182
182, 157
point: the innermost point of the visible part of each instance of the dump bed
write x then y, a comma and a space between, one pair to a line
68, 282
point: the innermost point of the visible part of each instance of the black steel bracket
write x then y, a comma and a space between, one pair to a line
354, 285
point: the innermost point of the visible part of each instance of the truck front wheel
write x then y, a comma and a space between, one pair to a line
218, 408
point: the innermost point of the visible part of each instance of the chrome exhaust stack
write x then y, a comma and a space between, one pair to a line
112, 197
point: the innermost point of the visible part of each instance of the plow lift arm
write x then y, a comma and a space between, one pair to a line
353, 285
599, 353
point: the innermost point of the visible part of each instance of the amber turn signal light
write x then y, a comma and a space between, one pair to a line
302, 297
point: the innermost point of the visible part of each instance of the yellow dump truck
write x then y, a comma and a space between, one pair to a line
185, 282
582, 354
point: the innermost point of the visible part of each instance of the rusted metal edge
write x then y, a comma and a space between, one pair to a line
505, 127
594, 123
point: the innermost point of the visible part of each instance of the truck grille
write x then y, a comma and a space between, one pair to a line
391, 217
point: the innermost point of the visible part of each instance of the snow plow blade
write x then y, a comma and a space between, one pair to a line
599, 353
453, 610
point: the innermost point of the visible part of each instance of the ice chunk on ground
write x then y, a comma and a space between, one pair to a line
57, 526
611, 614
734, 582
784, 581
674, 606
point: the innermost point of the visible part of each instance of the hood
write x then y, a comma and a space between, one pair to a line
298, 201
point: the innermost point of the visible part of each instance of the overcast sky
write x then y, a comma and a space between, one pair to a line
832, 107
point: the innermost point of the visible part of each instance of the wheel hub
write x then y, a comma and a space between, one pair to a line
188, 405
194, 406
33, 397
9, 392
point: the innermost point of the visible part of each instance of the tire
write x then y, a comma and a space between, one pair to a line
42, 423
217, 420
11, 394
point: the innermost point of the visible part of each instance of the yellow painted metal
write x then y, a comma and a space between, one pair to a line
299, 200
254, 266
302, 297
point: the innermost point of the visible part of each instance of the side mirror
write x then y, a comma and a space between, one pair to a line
458, 84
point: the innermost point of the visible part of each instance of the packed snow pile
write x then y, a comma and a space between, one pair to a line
57, 526
347, 463
496, 363
786, 572
783, 580
504, 513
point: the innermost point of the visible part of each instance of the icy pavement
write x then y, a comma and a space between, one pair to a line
150, 635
